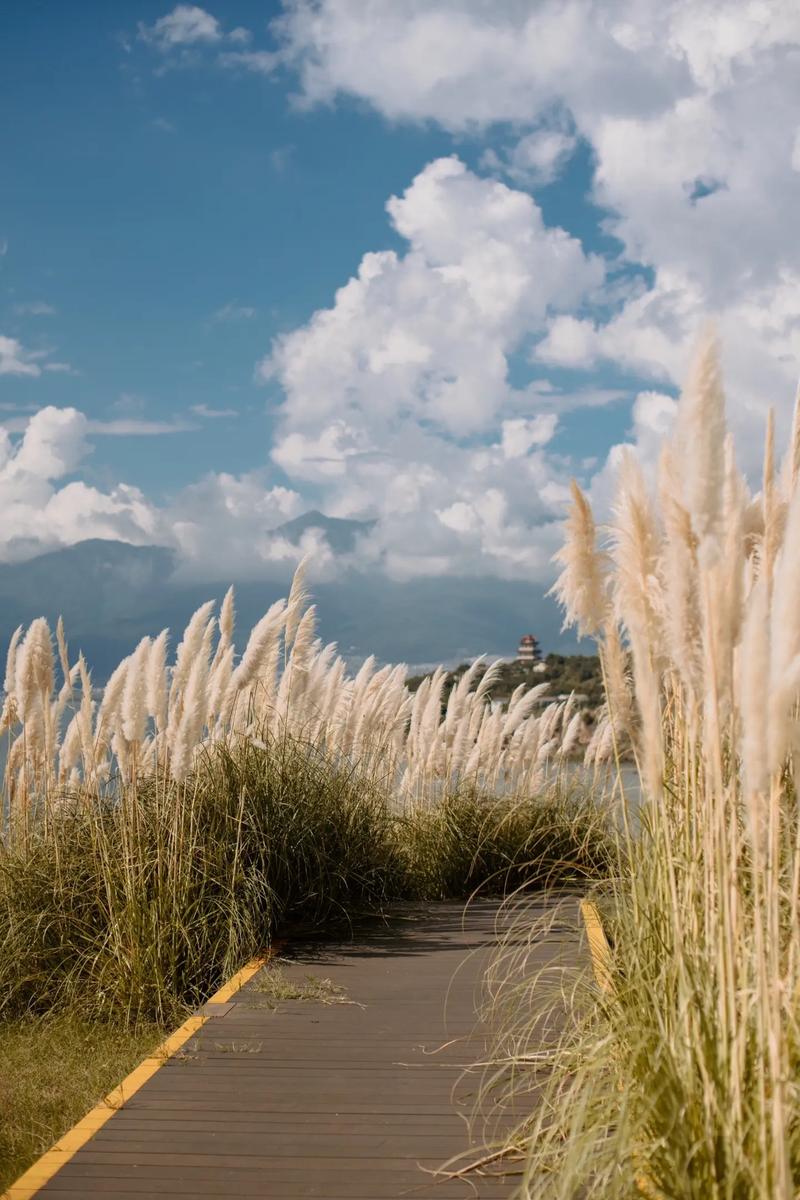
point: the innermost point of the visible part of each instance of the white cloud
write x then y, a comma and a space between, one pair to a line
186, 25
690, 109
520, 434
211, 414
234, 312
132, 427
43, 509
15, 360
535, 159
189, 27
428, 333
398, 403
34, 308
235, 515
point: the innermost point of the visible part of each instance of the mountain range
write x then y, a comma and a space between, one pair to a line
111, 594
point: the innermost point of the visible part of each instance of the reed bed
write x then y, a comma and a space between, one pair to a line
158, 835
677, 1076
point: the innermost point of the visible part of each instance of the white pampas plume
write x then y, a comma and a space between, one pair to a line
156, 680
791, 466
490, 678
755, 683
773, 502
638, 601
227, 618
523, 708
700, 433
572, 735
70, 747
678, 569
63, 654
784, 670
189, 648
219, 681
581, 586
190, 728
11, 660
263, 638
619, 699
34, 667
109, 707
133, 707
298, 598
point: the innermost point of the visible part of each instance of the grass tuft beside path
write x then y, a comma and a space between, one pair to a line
52, 1071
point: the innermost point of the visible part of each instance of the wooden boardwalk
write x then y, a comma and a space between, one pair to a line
358, 1094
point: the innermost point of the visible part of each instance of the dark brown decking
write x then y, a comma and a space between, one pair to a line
343, 1101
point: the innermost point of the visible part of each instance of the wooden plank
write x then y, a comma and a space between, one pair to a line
360, 1100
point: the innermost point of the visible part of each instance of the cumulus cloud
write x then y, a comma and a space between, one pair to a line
43, 508
235, 515
428, 333
690, 109
398, 398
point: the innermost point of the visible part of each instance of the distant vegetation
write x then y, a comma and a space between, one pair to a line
565, 673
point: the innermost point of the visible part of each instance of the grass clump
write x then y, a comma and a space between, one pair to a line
140, 904
471, 843
52, 1070
681, 1080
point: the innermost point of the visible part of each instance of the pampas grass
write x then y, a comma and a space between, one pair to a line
680, 1080
157, 838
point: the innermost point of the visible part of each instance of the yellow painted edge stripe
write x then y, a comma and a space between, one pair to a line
43, 1170
598, 945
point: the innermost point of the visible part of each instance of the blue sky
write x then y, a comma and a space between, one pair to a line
186, 188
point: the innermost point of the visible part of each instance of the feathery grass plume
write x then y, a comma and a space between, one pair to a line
188, 649
616, 676
636, 591
264, 639
699, 435
188, 731
11, 660
295, 677
680, 576
107, 713
10, 714
298, 598
791, 466
679, 1079
771, 501
133, 706
34, 666
581, 586
782, 677
156, 680
227, 620
63, 651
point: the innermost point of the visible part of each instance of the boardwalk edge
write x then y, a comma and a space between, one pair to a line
67, 1146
